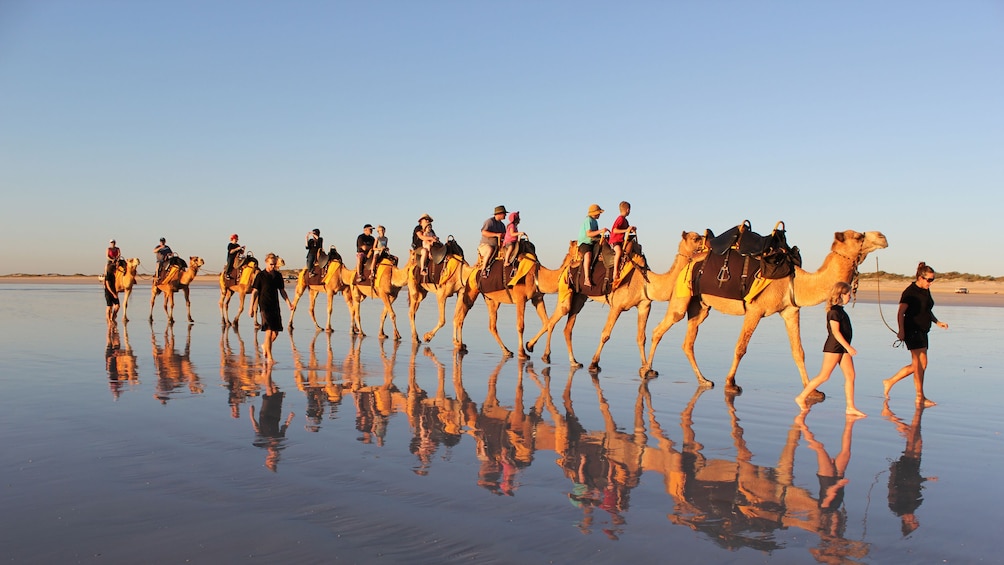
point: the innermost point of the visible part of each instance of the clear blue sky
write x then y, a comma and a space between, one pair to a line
195, 119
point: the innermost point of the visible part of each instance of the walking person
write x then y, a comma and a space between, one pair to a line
915, 316
267, 287
111, 294
837, 350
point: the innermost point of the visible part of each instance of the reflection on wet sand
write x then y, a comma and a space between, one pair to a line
173, 369
270, 434
120, 360
905, 480
238, 370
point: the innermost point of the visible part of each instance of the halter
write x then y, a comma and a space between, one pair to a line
855, 275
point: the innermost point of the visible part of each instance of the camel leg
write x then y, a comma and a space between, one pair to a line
415, 298
296, 300
560, 310
125, 305
441, 297
521, 326
224, 305
750, 323
465, 301
676, 311
313, 302
493, 318
169, 305
538, 304
792, 322
569, 327
331, 299
388, 307
643, 310
240, 306
153, 300
697, 313
188, 303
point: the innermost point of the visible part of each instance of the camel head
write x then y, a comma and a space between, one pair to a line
195, 262
132, 265
857, 245
279, 263
691, 243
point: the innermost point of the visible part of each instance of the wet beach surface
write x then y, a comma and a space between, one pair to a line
139, 445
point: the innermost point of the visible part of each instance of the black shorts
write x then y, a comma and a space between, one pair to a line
916, 340
111, 299
271, 319
585, 248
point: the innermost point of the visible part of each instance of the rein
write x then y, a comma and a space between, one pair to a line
878, 294
855, 275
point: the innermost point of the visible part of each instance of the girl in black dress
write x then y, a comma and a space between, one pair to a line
837, 350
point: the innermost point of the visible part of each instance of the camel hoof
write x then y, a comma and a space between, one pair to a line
575, 364
191, 320
507, 354
523, 355
816, 396
428, 337
329, 330
382, 335
397, 337
546, 358
528, 346
594, 368
705, 383
733, 389
648, 374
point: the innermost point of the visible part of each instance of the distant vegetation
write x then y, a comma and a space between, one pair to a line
949, 276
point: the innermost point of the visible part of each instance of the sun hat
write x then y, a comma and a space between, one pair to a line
500, 210
111, 241
595, 208
425, 217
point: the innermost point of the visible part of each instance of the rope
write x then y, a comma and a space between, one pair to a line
878, 294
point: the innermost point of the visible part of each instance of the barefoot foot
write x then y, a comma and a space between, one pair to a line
856, 413
886, 386
926, 402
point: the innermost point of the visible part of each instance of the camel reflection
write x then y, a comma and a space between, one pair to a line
120, 360
238, 369
270, 434
905, 480
316, 381
437, 420
173, 369
376, 403
603, 466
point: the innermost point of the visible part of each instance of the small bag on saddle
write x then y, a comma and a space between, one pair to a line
779, 259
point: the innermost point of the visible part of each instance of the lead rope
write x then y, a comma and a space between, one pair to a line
878, 295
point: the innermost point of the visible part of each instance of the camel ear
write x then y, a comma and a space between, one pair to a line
839, 236
683, 234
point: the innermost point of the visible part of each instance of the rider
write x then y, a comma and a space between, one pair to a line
364, 245
314, 244
163, 253
113, 254
589, 234
492, 232
234, 251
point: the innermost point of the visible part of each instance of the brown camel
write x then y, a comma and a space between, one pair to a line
125, 279
241, 288
532, 287
336, 279
638, 289
387, 282
172, 282
782, 296
454, 274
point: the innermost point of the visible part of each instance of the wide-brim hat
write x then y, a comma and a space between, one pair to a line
500, 210
425, 217
595, 208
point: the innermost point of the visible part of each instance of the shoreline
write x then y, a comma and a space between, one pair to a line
981, 293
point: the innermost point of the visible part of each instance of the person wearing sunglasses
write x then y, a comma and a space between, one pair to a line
916, 314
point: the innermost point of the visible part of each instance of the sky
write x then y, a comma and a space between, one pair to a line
192, 120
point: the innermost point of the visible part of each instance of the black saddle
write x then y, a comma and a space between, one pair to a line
741, 238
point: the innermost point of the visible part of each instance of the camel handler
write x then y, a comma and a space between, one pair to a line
492, 232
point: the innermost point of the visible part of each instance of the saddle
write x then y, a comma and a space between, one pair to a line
763, 257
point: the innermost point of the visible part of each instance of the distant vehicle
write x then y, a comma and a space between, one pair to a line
292, 277
962, 290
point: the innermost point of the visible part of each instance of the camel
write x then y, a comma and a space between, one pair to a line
638, 290
532, 287
172, 282
336, 279
125, 279
454, 275
387, 282
242, 288
782, 296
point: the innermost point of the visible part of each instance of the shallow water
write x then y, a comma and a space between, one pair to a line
147, 451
